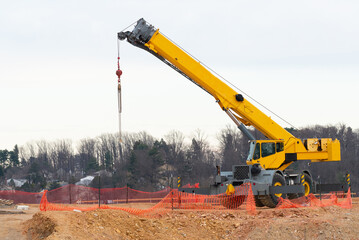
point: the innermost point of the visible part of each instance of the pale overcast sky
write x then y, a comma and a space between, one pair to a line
58, 63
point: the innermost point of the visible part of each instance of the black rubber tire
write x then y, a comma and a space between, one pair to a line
271, 200
309, 180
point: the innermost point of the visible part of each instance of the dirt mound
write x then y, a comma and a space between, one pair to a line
39, 227
318, 223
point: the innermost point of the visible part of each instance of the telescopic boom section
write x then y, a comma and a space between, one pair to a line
150, 39
145, 36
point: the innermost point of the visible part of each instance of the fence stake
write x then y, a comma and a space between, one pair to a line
99, 191
320, 191
70, 192
126, 193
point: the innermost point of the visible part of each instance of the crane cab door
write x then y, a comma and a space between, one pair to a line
269, 154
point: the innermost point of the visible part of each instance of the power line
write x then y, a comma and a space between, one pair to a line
229, 83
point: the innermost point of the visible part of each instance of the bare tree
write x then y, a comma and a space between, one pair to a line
231, 146
64, 153
149, 163
198, 165
87, 154
175, 142
43, 154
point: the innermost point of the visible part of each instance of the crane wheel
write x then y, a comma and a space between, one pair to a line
232, 202
308, 184
271, 200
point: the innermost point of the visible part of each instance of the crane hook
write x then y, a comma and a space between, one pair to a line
119, 73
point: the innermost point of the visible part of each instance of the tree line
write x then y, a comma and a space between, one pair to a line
143, 162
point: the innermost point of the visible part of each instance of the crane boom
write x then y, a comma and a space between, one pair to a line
282, 146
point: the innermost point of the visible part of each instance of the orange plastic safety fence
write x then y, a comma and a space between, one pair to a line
74, 194
196, 185
20, 196
242, 199
311, 200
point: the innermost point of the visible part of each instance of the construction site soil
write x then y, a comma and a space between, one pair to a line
296, 223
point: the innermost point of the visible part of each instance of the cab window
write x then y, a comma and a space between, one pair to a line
257, 153
268, 149
280, 146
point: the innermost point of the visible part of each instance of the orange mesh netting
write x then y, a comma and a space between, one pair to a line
73, 197
21, 197
311, 200
71, 194
242, 199
191, 186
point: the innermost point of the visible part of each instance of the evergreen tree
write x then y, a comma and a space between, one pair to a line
156, 155
14, 157
132, 171
108, 161
54, 185
139, 166
2, 172
92, 165
4, 158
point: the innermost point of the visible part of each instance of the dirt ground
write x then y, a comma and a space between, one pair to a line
306, 223
11, 225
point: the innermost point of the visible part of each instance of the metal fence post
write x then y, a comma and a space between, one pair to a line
320, 189
70, 192
99, 191
126, 193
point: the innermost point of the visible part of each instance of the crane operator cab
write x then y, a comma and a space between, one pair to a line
266, 152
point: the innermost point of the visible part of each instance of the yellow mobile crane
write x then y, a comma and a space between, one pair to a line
267, 159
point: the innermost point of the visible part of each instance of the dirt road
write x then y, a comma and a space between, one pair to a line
11, 222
